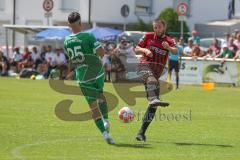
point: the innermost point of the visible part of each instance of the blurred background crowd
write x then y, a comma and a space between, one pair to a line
52, 62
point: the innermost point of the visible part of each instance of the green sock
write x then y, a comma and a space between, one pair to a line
104, 109
100, 125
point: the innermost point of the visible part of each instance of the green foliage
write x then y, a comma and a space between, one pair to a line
171, 17
140, 26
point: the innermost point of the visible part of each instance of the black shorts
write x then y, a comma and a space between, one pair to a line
173, 65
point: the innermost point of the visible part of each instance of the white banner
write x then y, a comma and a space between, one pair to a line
199, 71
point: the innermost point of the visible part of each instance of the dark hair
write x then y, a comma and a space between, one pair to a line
158, 20
74, 17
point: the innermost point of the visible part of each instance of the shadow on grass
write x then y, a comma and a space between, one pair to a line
201, 144
194, 144
145, 146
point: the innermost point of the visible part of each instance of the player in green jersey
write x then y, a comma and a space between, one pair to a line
84, 53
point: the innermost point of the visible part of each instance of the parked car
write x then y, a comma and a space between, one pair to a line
133, 36
205, 43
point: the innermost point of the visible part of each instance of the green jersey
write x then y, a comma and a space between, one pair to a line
81, 50
228, 53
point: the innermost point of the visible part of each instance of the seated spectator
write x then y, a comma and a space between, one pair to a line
107, 65
61, 63
36, 57
213, 50
117, 66
195, 38
50, 59
125, 48
187, 51
43, 53
27, 61
226, 53
4, 65
16, 59
42, 66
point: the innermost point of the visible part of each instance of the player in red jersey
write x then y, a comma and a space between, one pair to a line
154, 48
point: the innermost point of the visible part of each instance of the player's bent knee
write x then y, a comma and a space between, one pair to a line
96, 114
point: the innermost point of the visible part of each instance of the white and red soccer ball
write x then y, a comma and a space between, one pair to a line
126, 114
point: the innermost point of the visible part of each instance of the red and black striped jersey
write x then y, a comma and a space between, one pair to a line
160, 55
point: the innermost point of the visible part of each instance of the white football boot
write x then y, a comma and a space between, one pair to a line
107, 138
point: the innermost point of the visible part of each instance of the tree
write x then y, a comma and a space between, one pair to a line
140, 26
173, 25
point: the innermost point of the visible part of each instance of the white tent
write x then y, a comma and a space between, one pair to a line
25, 30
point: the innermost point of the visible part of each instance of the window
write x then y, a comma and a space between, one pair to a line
2, 5
143, 7
70, 5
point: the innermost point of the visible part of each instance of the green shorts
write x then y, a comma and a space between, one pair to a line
92, 90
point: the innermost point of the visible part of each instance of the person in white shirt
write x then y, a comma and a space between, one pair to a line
50, 58
61, 63
125, 48
187, 51
60, 57
17, 57
36, 57
35, 54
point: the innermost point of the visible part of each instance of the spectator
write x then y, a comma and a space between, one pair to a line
50, 59
195, 38
214, 49
125, 48
237, 41
187, 52
197, 52
227, 37
226, 53
36, 57
235, 33
43, 53
27, 60
117, 66
42, 66
232, 46
26, 53
107, 65
182, 43
16, 59
61, 63
4, 65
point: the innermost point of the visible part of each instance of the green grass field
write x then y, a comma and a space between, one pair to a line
30, 130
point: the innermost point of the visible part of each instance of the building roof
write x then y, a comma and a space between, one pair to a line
230, 22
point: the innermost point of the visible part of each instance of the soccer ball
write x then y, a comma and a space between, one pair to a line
126, 115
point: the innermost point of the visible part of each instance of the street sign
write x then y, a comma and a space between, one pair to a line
125, 10
182, 18
48, 5
182, 9
48, 14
